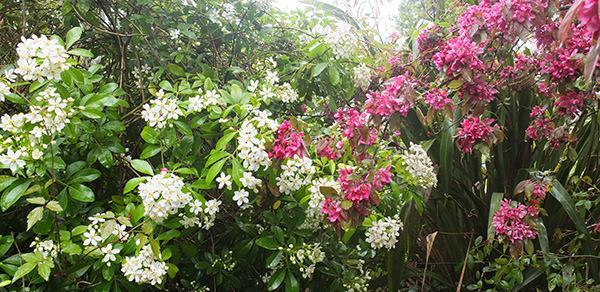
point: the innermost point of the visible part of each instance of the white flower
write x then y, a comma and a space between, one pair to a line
362, 76
196, 207
271, 77
224, 180
109, 254
91, 238
11, 159
174, 34
253, 85
241, 197
212, 207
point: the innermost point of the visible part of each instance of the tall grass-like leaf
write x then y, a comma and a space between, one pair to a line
562, 196
494, 207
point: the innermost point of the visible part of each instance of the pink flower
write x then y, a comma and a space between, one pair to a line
332, 210
288, 142
474, 130
459, 53
477, 90
382, 177
588, 14
438, 99
570, 103
398, 96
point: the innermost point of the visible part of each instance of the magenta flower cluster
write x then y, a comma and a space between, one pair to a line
512, 221
288, 142
475, 130
438, 99
457, 55
397, 96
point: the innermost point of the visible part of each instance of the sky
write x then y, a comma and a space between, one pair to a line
387, 8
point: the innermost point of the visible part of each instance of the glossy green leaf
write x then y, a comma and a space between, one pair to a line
81, 193
142, 166
268, 242
14, 193
276, 279
73, 36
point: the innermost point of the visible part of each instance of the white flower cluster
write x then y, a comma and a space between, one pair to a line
359, 283
297, 173
226, 14
362, 76
46, 248
314, 217
198, 103
251, 148
161, 111
419, 166
202, 217
41, 58
144, 72
98, 218
241, 198
162, 196
307, 257
384, 233
48, 114
144, 268
343, 40
286, 93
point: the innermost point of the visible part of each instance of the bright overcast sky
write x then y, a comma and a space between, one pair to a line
387, 8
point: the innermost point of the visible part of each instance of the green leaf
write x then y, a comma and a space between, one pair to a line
216, 156
54, 206
23, 270
150, 135
6, 181
150, 150
45, 268
278, 234
132, 184
81, 52
334, 75
214, 170
172, 270
108, 272
142, 166
155, 247
291, 284
168, 235
34, 216
72, 36
37, 200
224, 140
317, 69
494, 207
81, 193
184, 128
92, 113
107, 228
86, 175
14, 193
268, 242
274, 259
276, 279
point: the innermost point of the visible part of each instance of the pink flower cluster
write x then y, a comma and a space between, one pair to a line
459, 54
358, 189
397, 96
561, 65
350, 120
288, 142
538, 193
333, 210
477, 90
324, 149
544, 127
570, 103
438, 99
512, 221
500, 16
473, 130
